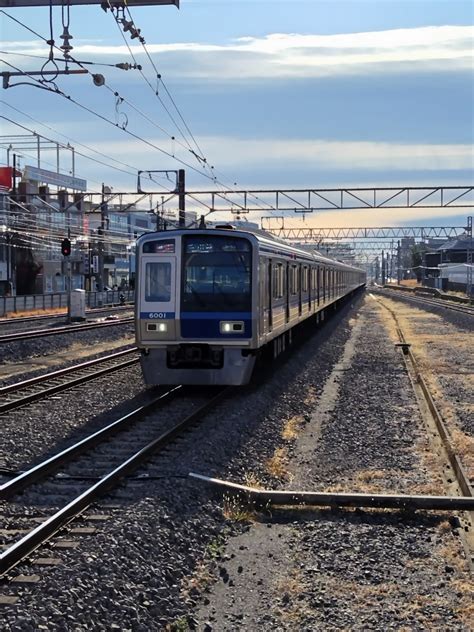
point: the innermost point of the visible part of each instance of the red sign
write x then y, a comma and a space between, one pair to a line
6, 178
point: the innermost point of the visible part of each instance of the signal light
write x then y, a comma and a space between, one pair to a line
66, 247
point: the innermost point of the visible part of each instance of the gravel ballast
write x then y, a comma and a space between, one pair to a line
168, 557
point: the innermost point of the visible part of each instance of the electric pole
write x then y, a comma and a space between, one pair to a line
182, 198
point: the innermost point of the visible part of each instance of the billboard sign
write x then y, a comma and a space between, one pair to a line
51, 177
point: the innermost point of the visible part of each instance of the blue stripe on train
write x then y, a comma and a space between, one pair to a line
207, 324
158, 315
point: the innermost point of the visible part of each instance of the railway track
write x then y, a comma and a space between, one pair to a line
41, 333
22, 393
107, 456
42, 317
455, 475
421, 300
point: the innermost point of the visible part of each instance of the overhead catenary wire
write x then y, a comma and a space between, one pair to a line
211, 177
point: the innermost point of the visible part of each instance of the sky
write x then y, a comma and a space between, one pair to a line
273, 94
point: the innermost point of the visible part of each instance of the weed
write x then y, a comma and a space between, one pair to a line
277, 465
292, 427
236, 509
180, 625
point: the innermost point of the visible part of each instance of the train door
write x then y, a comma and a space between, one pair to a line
158, 288
318, 282
269, 293
324, 275
309, 282
287, 291
300, 289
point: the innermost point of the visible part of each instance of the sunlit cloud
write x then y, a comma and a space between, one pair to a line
293, 55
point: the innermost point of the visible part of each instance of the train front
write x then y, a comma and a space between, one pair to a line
194, 306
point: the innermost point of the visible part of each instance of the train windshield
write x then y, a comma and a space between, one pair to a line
217, 274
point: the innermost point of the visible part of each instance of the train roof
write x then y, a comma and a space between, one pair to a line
266, 241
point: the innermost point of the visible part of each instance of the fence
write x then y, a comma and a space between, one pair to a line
10, 304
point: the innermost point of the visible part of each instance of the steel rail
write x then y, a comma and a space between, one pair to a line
461, 475
266, 497
415, 298
55, 388
423, 393
41, 333
27, 319
31, 541
23, 480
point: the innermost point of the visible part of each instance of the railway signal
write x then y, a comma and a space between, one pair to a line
66, 247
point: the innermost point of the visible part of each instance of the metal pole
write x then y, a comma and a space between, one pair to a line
469, 258
103, 210
399, 272
8, 240
182, 198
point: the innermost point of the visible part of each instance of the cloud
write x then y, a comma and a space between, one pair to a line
293, 55
233, 153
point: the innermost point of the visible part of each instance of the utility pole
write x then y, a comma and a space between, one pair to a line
469, 257
101, 249
399, 263
383, 269
182, 198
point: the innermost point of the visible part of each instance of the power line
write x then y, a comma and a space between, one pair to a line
122, 99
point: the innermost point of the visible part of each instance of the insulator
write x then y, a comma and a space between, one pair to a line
66, 47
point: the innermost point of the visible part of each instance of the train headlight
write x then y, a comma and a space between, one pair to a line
161, 327
232, 327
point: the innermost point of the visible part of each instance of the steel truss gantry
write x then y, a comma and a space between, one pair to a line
299, 201
309, 200
317, 234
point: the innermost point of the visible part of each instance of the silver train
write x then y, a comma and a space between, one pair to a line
208, 301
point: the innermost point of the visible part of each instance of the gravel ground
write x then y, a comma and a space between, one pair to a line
458, 319
171, 556
31, 433
443, 351
19, 350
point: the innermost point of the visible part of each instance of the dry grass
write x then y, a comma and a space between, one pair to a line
277, 465
289, 588
292, 428
453, 554
433, 342
410, 283
252, 480
465, 608
200, 580
237, 510
311, 396
37, 312
339, 587
464, 446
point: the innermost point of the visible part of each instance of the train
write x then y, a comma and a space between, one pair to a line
209, 301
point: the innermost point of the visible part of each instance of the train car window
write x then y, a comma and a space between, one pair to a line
164, 246
216, 274
305, 279
278, 280
158, 282
294, 278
